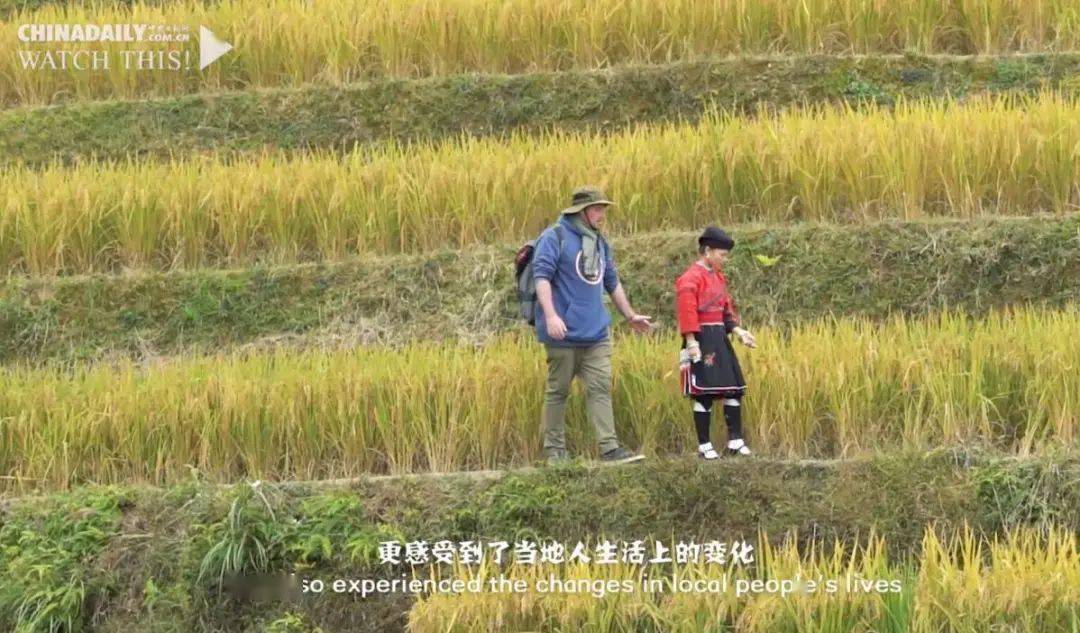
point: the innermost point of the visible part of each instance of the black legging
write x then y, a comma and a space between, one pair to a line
702, 419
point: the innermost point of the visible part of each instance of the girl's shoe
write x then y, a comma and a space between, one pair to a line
706, 451
738, 447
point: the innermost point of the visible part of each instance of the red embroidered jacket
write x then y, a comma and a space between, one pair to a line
701, 296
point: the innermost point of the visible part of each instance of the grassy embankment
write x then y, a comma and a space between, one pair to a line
869, 270
123, 558
337, 118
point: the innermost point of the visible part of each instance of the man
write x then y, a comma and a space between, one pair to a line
572, 267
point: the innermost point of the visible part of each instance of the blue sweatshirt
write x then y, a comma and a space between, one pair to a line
579, 303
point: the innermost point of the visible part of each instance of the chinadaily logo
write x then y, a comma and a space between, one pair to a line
102, 47
83, 32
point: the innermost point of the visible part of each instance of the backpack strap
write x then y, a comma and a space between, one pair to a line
559, 236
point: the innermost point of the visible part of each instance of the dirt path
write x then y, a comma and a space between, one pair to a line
963, 460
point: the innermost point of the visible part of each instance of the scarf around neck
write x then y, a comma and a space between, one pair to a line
590, 253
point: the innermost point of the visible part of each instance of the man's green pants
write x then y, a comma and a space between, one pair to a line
593, 365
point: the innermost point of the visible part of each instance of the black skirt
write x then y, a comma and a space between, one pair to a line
718, 372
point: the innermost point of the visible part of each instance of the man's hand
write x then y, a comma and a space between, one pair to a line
556, 328
746, 337
640, 323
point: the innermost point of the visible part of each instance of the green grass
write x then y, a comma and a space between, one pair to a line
337, 118
871, 270
139, 551
47, 560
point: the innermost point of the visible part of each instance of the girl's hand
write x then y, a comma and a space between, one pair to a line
693, 348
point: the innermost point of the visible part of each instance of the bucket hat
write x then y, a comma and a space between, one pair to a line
585, 196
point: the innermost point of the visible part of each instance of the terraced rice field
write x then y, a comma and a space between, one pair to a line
257, 321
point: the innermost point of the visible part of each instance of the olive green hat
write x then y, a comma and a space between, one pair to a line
583, 197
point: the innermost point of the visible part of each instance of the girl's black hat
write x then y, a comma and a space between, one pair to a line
716, 238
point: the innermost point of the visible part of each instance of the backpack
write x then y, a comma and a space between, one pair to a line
523, 277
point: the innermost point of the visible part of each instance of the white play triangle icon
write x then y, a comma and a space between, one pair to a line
210, 47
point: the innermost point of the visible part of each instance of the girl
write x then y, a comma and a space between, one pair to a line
709, 368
